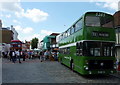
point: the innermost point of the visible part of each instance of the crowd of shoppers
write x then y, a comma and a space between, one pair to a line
15, 55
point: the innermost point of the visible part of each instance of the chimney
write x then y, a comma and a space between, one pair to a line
12, 27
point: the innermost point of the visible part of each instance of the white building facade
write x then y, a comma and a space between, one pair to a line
40, 45
15, 34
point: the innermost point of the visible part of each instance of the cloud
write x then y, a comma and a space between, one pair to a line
26, 30
113, 5
18, 28
15, 21
46, 32
8, 16
98, 4
1, 15
26, 33
119, 5
11, 6
30, 37
36, 15
110, 4
40, 36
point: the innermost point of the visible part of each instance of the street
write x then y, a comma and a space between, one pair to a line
34, 71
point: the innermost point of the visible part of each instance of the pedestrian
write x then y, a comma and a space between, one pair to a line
6, 53
55, 56
3, 54
29, 55
45, 55
18, 55
23, 55
33, 55
41, 56
10, 55
13, 56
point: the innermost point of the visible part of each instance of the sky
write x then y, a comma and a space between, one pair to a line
38, 19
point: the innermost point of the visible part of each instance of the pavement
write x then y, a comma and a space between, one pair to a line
34, 71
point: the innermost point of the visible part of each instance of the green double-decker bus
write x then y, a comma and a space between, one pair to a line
88, 46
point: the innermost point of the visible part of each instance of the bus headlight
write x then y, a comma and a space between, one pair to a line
115, 67
111, 71
86, 67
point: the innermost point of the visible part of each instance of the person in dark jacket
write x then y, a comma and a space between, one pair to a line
23, 55
10, 54
41, 56
13, 56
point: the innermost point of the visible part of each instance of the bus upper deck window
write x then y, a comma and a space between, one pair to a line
92, 21
107, 22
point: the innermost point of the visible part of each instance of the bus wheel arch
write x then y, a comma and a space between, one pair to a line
61, 60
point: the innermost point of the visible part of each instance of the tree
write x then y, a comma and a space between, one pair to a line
34, 43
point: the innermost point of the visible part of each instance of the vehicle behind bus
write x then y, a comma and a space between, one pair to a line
16, 45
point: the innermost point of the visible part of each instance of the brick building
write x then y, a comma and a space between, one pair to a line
6, 35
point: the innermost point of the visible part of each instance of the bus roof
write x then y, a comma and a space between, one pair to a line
90, 12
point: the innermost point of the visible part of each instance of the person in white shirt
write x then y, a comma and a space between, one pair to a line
17, 52
13, 56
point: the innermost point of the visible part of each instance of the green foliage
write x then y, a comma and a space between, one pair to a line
34, 43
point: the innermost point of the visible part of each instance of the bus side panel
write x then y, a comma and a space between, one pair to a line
64, 60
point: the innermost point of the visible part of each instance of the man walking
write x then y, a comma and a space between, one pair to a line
23, 55
10, 55
13, 56
18, 55
41, 56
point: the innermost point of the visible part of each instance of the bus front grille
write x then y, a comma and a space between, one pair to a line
100, 64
